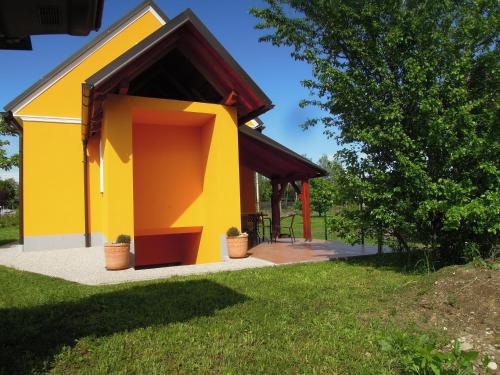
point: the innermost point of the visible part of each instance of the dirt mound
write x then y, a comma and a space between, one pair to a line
465, 302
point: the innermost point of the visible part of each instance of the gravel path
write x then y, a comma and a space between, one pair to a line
86, 265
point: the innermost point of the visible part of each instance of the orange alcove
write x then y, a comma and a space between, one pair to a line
170, 152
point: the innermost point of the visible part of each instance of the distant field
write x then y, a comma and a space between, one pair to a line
317, 227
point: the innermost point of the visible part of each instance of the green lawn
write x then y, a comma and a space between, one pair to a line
325, 317
9, 234
317, 227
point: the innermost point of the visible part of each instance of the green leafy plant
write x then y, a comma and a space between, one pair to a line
6, 161
9, 220
424, 263
233, 232
123, 238
473, 255
420, 356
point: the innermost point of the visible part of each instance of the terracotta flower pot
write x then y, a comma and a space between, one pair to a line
117, 256
237, 246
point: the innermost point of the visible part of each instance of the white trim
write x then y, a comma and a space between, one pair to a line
101, 168
83, 57
158, 17
65, 120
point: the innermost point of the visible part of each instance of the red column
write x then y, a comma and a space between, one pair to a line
275, 209
306, 210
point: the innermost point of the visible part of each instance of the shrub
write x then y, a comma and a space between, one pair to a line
9, 220
419, 356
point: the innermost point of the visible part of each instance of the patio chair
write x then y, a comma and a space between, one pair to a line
289, 229
266, 223
250, 224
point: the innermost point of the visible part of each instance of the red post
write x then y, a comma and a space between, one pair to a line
275, 209
306, 210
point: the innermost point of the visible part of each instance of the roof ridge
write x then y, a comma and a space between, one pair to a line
84, 49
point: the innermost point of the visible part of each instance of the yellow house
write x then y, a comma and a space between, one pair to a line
141, 132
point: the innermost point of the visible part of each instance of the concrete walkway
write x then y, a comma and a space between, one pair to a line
86, 266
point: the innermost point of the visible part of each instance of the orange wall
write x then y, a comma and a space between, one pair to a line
168, 174
247, 188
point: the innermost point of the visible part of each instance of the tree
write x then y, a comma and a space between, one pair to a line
6, 162
322, 195
9, 197
265, 189
412, 89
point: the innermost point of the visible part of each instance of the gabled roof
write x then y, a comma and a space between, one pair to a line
187, 33
53, 76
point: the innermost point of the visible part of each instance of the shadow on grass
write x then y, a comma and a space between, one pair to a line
30, 337
9, 241
387, 261
412, 262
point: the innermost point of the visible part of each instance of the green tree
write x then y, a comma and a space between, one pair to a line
9, 197
265, 189
412, 91
322, 195
6, 162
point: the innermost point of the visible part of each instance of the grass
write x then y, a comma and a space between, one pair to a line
317, 227
9, 234
308, 318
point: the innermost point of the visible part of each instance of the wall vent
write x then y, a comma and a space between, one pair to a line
50, 15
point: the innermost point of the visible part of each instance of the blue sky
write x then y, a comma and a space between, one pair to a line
271, 67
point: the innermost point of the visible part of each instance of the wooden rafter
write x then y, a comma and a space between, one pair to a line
230, 99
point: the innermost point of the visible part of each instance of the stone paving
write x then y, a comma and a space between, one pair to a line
284, 252
86, 265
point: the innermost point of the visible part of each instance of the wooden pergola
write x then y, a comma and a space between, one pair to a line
282, 166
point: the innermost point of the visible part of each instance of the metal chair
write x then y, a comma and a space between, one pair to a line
250, 224
266, 223
290, 233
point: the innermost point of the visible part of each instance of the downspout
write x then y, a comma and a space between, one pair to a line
86, 194
87, 104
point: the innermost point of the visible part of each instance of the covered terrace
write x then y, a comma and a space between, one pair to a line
282, 166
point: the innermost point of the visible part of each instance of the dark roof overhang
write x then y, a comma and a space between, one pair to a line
21, 19
187, 34
273, 160
11, 123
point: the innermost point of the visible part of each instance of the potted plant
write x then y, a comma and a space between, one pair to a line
117, 253
237, 243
